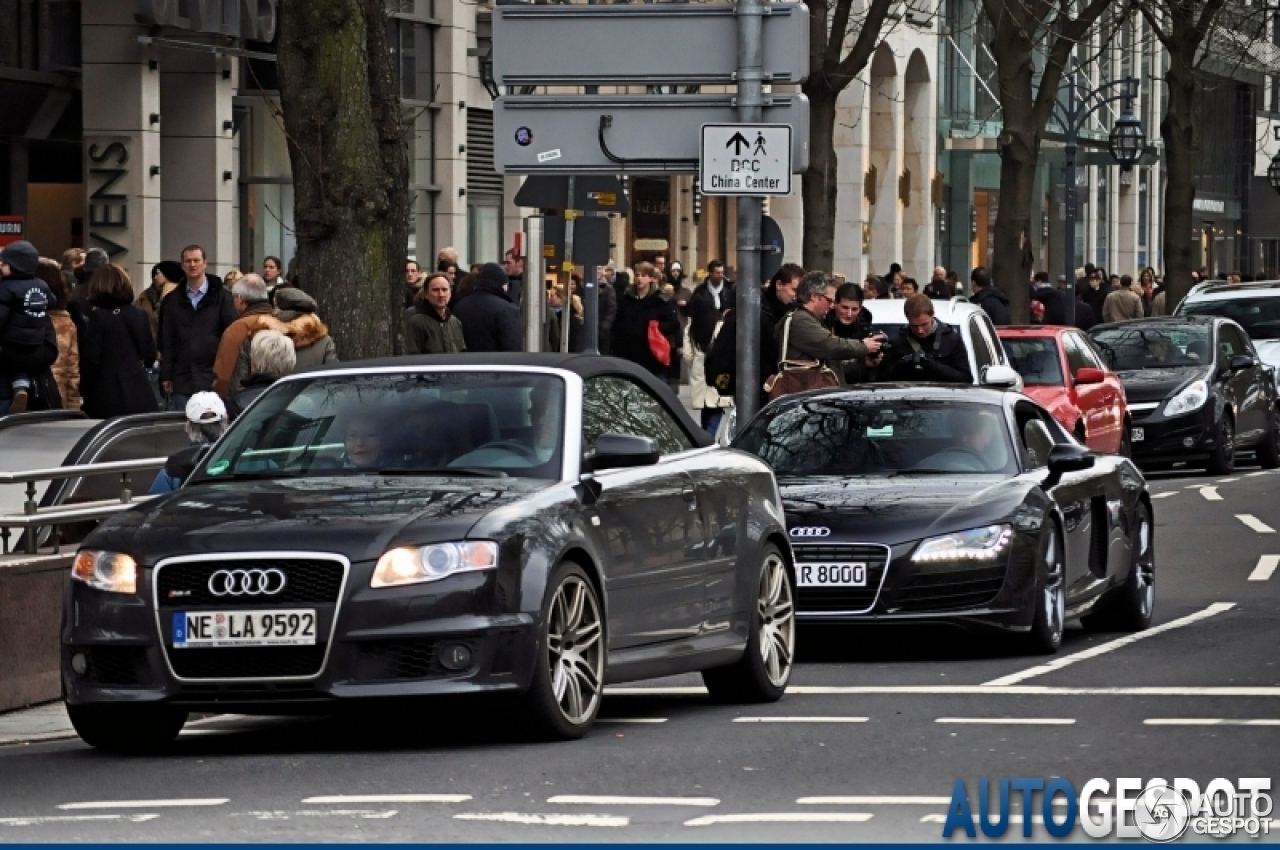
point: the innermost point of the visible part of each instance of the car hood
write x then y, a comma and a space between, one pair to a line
1158, 384
1048, 396
358, 516
898, 510
1268, 351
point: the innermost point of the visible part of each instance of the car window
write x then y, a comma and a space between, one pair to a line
1077, 356
617, 405
1232, 342
981, 351
1259, 316
1036, 359
992, 338
1038, 433
1163, 345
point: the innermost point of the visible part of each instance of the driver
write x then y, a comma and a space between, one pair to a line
979, 432
362, 443
1162, 351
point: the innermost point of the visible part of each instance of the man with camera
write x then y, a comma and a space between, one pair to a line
926, 350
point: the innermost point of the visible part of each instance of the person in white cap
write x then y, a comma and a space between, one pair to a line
206, 422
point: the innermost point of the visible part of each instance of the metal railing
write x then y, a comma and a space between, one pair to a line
33, 517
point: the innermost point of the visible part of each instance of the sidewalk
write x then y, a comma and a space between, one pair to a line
46, 722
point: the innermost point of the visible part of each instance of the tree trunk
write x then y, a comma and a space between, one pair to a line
818, 184
1019, 146
347, 146
1177, 130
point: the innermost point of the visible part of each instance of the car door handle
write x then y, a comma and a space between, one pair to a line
690, 497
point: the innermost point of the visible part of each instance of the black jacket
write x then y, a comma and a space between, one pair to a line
631, 329
721, 367
942, 357
994, 303
190, 337
855, 371
703, 314
1055, 307
1085, 317
115, 352
608, 313
25, 303
490, 322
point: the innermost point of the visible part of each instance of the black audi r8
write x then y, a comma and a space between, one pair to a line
1197, 391
917, 503
537, 525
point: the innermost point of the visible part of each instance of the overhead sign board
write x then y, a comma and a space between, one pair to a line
683, 43
745, 159
590, 241
625, 134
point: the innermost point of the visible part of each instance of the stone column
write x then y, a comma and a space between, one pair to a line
452, 39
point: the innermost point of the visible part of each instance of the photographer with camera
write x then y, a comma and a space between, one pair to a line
849, 320
926, 350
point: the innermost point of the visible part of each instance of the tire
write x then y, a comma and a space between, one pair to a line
568, 675
1048, 615
1128, 608
128, 730
1269, 448
764, 670
1223, 459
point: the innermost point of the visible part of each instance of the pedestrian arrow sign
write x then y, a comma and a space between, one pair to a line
745, 159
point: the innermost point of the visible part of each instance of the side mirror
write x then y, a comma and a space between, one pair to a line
1090, 375
728, 427
619, 451
999, 376
1241, 362
1067, 458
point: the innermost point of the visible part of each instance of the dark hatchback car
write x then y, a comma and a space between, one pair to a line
536, 525
1197, 391
918, 503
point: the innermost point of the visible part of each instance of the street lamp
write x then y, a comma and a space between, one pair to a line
1125, 143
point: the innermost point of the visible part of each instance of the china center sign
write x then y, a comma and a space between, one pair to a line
250, 19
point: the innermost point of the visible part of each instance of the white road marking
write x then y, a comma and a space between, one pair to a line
604, 800
1266, 566
1210, 721
146, 804
1009, 721
979, 690
1226, 481
800, 720
1255, 523
1012, 819
388, 798
874, 801
1111, 646
1256, 474
40, 820
1211, 494
546, 820
363, 814
782, 817
636, 720
1164, 495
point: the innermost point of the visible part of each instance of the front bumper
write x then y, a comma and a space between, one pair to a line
1191, 436
371, 644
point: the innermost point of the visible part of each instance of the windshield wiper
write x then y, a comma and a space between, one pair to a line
455, 471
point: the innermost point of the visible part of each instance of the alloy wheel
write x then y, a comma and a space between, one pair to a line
777, 621
1055, 597
575, 650
1145, 566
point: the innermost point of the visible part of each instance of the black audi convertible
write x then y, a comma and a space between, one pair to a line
919, 503
536, 525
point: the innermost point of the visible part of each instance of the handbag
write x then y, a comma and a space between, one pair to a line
797, 376
659, 345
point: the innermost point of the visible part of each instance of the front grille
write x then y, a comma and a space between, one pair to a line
850, 600
1139, 414
385, 660
307, 582
247, 662
115, 665
944, 588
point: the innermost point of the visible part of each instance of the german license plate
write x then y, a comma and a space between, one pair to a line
1137, 435
832, 575
293, 627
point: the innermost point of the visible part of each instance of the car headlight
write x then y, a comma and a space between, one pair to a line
976, 544
1190, 399
415, 564
109, 571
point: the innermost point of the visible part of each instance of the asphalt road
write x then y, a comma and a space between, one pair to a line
881, 720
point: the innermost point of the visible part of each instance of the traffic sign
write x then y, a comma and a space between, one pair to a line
745, 159
683, 43
590, 242
626, 134
594, 193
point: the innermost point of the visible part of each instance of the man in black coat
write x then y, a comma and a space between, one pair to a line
490, 321
708, 304
1054, 301
992, 301
926, 350
192, 320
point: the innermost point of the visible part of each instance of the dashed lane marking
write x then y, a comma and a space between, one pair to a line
800, 720
387, 798
782, 817
1210, 494
146, 804
1111, 646
979, 690
545, 820
1255, 523
873, 801
1226, 481
1266, 566
41, 820
1210, 721
1009, 721
1164, 495
1012, 819
361, 814
605, 800
628, 720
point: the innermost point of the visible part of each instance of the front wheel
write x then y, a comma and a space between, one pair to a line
568, 674
1051, 595
764, 670
1269, 448
1128, 608
128, 730
1223, 459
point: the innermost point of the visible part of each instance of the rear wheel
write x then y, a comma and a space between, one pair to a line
1223, 459
132, 730
764, 670
1051, 594
1269, 448
1128, 608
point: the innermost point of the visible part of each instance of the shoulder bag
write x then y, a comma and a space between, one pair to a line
797, 376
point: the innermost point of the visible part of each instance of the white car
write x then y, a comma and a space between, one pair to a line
1253, 306
988, 362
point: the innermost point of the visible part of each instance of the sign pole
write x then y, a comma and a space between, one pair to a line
534, 302
566, 308
750, 110
591, 305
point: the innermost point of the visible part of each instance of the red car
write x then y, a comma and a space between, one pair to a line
1064, 372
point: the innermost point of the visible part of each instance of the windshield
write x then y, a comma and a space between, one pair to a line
1035, 359
878, 437
1260, 317
1163, 346
465, 422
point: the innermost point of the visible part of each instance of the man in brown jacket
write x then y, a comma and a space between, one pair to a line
296, 318
1122, 304
251, 301
808, 339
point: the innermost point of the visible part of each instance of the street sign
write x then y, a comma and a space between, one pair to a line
626, 134
590, 242
595, 193
745, 159
690, 43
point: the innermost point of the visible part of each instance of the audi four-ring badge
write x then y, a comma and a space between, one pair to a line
533, 526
